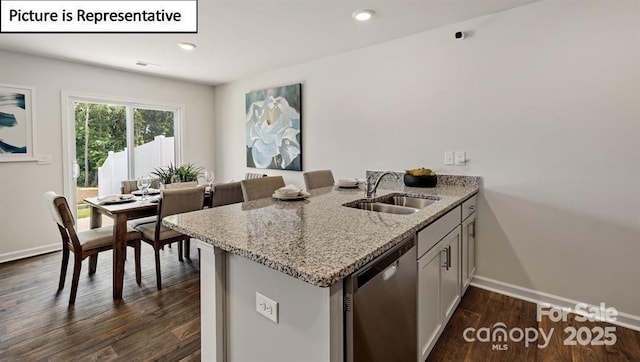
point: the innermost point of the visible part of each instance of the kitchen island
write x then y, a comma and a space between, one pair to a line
296, 253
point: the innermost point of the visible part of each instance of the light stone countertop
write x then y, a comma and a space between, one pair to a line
317, 240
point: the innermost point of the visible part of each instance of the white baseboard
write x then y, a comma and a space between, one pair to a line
21, 254
622, 319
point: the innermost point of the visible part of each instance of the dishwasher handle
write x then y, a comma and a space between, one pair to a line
386, 264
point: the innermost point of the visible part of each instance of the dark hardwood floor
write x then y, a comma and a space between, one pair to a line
481, 308
36, 324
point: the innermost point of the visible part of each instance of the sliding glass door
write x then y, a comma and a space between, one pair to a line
115, 141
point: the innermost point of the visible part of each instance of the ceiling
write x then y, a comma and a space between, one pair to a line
240, 38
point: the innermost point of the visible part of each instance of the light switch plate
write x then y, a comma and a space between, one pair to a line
461, 158
448, 157
267, 307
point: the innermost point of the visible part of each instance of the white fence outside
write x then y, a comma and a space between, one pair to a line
157, 153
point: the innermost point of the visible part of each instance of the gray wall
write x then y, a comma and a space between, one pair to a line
545, 101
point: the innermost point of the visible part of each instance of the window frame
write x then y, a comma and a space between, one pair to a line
69, 99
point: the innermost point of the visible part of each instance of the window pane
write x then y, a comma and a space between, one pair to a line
101, 140
153, 139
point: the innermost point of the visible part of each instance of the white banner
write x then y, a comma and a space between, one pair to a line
88, 16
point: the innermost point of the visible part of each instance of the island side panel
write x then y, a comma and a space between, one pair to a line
212, 298
303, 332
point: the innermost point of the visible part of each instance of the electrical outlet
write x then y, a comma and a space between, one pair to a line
448, 158
461, 158
267, 307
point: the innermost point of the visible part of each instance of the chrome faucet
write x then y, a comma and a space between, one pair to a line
371, 185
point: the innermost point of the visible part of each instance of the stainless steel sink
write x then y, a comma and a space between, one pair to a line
397, 203
408, 201
390, 209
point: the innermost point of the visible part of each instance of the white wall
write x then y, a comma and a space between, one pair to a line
545, 100
25, 225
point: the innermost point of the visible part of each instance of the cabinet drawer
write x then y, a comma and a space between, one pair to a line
429, 236
469, 206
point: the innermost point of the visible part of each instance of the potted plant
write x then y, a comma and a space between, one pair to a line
171, 174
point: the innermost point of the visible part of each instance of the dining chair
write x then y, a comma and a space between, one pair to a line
317, 179
252, 175
173, 201
259, 188
83, 244
226, 193
128, 186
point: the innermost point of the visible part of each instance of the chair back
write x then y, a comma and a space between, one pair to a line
317, 179
252, 175
260, 188
179, 200
128, 186
227, 193
61, 213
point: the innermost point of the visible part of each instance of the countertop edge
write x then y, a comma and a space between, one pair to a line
325, 280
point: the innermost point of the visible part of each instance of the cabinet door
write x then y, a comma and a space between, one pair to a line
468, 251
429, 310
451, 274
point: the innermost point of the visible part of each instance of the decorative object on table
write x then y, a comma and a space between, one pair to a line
116, 199
209, 177
17, 123
175, 174
347, 183
290, 192
273, 118
420, 177
143, 184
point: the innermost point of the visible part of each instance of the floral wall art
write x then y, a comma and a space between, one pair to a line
16, 123
273, 128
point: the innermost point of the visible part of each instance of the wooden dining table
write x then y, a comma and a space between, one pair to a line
120, 213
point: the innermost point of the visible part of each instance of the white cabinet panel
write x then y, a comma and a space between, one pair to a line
451, 282
429, 315
468, 251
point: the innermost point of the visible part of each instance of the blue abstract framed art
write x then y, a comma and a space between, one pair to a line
17, 123
273, 133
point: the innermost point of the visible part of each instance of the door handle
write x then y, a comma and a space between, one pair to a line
75, 170
446, 258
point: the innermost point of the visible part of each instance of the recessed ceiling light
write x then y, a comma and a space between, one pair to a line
363, 15
186, 46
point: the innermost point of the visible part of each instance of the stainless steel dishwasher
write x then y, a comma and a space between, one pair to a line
380, 308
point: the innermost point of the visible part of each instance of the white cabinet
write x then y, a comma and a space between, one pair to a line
439, 278
450, 284
429, 294
468, 242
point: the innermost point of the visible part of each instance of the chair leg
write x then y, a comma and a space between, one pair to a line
187, 249
93, 263
137, 257
156, 250
179, 250
63, 268
77, 265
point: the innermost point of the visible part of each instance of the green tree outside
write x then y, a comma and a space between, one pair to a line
101, 128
